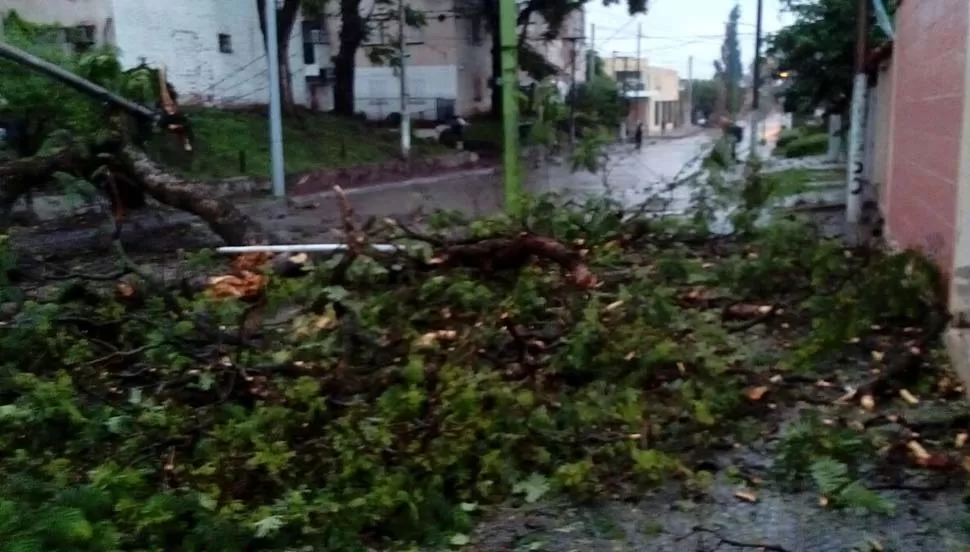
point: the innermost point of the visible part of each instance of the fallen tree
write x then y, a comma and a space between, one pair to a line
110, 156
271, 406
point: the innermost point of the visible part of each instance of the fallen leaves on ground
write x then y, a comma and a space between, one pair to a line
246, 284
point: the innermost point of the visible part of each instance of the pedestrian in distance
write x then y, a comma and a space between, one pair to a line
638, 136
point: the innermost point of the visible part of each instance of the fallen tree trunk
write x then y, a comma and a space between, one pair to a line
222, 216
132, 171
19, 176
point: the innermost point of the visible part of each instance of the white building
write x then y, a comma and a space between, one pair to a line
214, 54
212, 49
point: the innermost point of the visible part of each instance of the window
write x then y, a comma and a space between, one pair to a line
225, 43
81, 37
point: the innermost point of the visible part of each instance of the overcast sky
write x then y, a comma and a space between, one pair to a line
674, 30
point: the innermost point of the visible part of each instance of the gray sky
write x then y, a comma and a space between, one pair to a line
674, 30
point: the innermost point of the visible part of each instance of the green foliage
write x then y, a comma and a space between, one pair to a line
729, 67
600, 103
818, 49
787, 136
704, 96
806, 145
392, 401
830, 458
53, 115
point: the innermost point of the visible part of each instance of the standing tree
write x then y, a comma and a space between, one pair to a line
705, 96
730, 66
355, 29
553, 13
285, 19
818, 50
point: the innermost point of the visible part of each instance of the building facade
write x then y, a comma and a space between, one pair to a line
214, 54
449, 60
654, 93
213, 49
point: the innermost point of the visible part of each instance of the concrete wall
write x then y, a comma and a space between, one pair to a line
184, 36
67, 13
928, 108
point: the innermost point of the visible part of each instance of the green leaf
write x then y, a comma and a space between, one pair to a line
267, 526
702, 413
459, 539
829, 475
534, 488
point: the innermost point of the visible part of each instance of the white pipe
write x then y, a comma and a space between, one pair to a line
305, 248
855, 168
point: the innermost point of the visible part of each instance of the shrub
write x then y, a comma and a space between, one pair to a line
805, 146
787, 136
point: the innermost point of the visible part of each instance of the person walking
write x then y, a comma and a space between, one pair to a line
638, 136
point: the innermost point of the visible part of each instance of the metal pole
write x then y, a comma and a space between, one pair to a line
640, 81
690, 90
855, 167
756, 85
591, 55
509, 43
275, 108
405, 116
572, 94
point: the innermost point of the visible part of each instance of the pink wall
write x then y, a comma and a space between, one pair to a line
928, 66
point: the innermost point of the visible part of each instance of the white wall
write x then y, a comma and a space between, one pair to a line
67, 13
377, 90
184, 36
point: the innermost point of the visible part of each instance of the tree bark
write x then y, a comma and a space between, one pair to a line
491, 10
352, 31
222, 216
141, 174
285, 19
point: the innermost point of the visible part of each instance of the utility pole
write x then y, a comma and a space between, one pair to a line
640, 81
591, 54
509, 44
405, 116
275, 109
690, 90
855, 169
756, 85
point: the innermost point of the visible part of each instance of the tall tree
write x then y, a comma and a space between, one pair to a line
704, 96
356, 28
730, 62
553, 13
818, 51
285, 19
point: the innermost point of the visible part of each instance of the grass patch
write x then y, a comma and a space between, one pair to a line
236, 143
806, 146
794, 181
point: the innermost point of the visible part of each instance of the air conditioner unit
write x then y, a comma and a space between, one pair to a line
80, 34
317, 36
